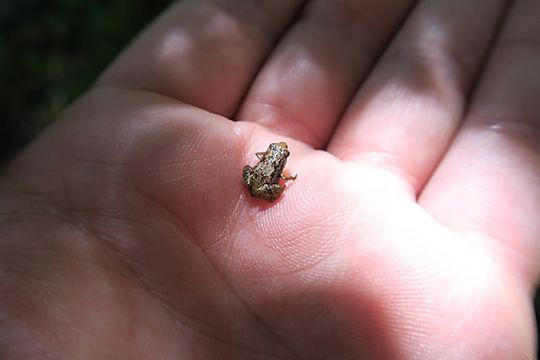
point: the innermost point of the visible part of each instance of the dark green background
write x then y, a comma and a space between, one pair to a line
51, 51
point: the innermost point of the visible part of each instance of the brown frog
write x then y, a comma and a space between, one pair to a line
262, 180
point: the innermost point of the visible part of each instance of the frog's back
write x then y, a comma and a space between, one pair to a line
266, 173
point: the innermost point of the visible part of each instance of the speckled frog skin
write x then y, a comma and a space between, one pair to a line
262, 180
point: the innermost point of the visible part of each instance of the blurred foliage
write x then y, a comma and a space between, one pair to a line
52, 51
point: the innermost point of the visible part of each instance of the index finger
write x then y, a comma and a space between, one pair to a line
203, 52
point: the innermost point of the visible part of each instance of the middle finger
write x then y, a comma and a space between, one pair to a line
306, 85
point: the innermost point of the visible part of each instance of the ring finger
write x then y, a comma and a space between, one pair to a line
407, 113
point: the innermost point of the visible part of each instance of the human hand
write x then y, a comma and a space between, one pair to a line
413, 233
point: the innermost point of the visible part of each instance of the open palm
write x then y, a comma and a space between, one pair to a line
411, 232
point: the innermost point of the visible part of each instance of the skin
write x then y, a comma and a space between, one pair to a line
411, 233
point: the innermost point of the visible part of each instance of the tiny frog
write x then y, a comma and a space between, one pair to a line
262, 180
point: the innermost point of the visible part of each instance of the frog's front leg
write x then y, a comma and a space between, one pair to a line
270, 192
260, 155
287, 178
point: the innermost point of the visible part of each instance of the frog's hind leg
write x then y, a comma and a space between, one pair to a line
271, 191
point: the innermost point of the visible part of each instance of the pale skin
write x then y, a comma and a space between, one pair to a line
411, 233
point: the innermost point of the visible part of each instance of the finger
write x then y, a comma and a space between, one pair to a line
489, 183
409, 109
203, 52
307, 84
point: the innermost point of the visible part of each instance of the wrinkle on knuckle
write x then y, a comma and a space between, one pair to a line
428, 67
